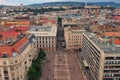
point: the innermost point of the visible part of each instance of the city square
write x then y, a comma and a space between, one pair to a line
63, 66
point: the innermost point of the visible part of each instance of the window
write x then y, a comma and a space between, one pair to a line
25, 62
11, 68
17, 78
4, 54
16, 61
4, 62
109, 58
29, 55
11, 62
13, 78
16, 67
29, 59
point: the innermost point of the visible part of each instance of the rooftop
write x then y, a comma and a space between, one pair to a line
107, 47
12, 32
75, 29
117, 41
116, 17
9, 33
17, 47
14, 48
48, 21
112, 33
43, 30
27, 23
19, 28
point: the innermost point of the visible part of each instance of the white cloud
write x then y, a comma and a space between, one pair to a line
3, 2
26, 2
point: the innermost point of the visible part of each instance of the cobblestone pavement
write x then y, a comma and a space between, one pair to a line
62, 66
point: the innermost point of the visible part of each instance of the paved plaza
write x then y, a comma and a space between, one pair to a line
62, 66
61, 69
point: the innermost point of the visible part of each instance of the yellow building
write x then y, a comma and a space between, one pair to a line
15, 66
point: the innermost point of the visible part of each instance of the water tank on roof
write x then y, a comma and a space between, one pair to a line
15, 54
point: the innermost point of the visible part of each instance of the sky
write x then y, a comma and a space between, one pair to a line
27, 2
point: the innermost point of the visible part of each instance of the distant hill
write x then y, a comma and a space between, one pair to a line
1, 6
113, 4
58, 4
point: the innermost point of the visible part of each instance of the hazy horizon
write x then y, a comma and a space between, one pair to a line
27, 2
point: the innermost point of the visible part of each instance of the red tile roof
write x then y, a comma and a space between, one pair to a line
112, 33
22, 28
14, 48
116, 41
17, 23
46, 21
17, 45
116, 17
9, 33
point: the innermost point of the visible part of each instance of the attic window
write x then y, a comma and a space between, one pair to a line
4, 54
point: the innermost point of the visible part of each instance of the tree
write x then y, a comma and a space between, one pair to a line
30, 74
35, 71
41, 55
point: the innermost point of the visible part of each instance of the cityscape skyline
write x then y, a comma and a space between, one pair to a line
28, 2
65, 40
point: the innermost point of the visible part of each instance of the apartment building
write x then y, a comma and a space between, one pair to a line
69, 22
44, 18
102, 55
16, 56
46, 37
73, 37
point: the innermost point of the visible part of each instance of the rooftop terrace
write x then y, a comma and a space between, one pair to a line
41, 28
107, 47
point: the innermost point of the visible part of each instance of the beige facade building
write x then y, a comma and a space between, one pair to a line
102, 57
43, 18
73, 38
14, 66
46, 37
70, 22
